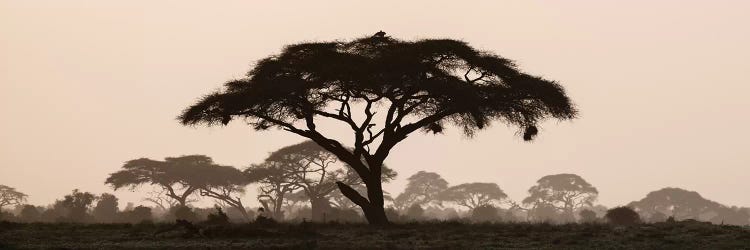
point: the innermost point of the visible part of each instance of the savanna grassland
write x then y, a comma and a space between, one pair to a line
426, 235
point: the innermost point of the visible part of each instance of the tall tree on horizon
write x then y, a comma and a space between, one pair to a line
405, 85
10, 196
563, 192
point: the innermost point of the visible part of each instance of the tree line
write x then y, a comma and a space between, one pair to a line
298, 183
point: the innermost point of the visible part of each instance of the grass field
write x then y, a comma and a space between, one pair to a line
438, 235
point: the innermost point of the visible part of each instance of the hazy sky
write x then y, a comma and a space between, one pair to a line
662, 87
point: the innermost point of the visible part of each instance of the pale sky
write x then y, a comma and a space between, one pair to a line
662, 87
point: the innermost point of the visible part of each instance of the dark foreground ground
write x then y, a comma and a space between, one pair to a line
443, 235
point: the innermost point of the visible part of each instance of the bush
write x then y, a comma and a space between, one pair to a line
184, 213
218, 218
393, 215
622, 216
587, 216
137, 215
485, 213
415, 212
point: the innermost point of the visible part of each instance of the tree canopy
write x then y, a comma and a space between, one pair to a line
472, 195
422, 188
183, 176
10, 196
683, 204
565, 192
425, 84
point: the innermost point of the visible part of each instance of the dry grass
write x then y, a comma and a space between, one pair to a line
437, 235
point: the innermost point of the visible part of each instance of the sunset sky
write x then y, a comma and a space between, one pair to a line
662, 87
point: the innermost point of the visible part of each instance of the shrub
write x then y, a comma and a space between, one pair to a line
393, 215
218, 218
622, 216
485, 213
184, 213
587, 216
415, 212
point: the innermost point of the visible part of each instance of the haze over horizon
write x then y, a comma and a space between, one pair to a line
661, 86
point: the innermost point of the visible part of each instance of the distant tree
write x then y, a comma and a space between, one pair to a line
75, 206
421, 85
587, 216
223, 183
314, 170
422, 188
683, 204
9, 196
473, 195
105, 210
275, 182
485, 213
622, 216
565, 192
164, 174
30, 213
159, 199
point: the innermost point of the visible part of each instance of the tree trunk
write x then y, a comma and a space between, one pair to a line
372, 207
318, 207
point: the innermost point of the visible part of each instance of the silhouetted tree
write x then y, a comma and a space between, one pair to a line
683, 204
75, 206
160, 199
565, 192
622, 216
223, 183
164, 174
424, 84
473, 195
313, 170
423, 188
10, 196
340, 201
275, 183
106, 208
485, 213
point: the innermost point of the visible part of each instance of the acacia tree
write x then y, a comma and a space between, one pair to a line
163, 174
564, 192
314, 170
473, 195
406, 85
422, 188
684, 204
9, 196
275, 183
223, 183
